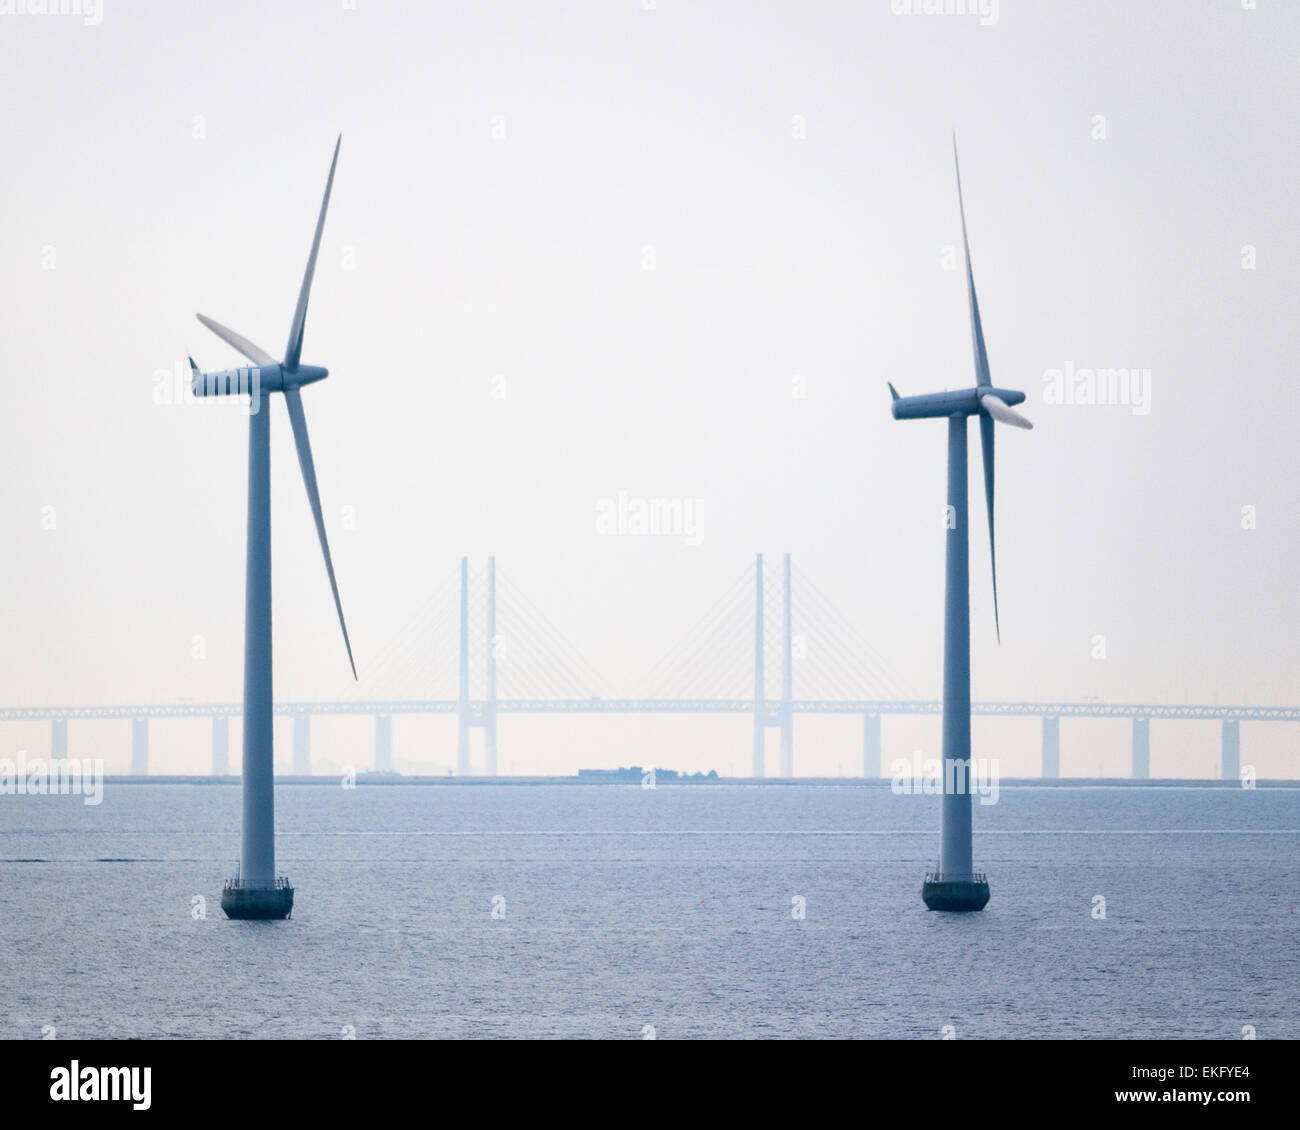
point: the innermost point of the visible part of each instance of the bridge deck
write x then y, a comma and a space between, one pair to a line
662, 706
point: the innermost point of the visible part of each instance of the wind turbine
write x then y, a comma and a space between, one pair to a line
257, 892
956, 885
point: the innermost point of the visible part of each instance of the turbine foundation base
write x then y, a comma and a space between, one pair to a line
956, 893
241, 899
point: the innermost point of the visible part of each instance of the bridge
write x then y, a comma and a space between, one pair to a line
554, 679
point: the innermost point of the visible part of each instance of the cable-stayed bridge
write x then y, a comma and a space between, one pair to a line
479, 648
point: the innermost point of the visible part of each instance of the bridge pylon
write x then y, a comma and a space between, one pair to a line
462, 697
490, 704
469, 713
778, 714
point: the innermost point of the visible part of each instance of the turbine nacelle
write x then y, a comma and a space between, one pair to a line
962, 402
252, 380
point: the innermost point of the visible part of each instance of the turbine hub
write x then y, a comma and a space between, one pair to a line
305, 375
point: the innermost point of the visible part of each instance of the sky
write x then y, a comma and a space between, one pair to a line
674, 250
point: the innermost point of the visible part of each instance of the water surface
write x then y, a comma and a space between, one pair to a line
621, 907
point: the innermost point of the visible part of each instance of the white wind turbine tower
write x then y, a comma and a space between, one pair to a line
257, 891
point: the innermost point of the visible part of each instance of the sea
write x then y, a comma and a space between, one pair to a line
614, 911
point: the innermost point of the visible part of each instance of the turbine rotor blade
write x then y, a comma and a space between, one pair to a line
293, 398
242, 344
293, 351
1001, 411
982, 377
986, 445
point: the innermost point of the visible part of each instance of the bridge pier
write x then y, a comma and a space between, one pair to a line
787, 741
139, 747
1141, 749
1051, 747
1230, 762
301, 744
220, 745
59, 739
383, 743
490, 741
872, 755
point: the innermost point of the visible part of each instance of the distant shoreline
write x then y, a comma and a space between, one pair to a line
368, 779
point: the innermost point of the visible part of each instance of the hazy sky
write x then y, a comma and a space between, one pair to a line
582, 248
